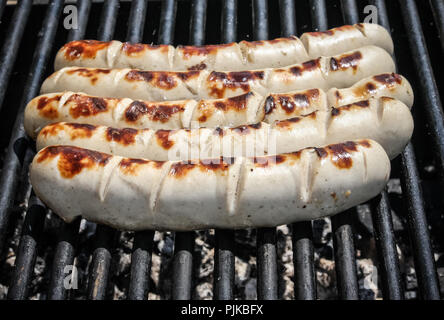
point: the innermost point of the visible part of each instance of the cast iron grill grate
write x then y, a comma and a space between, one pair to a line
133, 22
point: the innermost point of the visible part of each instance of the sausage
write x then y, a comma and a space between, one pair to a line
385, 120
137, 194
386, 84
338, 71
248, 108
346, 38
222, 57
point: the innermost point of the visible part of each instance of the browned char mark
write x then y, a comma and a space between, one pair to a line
73, 160
307, 66
161, 79
156, 112
355, 105
47, 108
163, 139
219, 82
92, 74
346, 61
136, 49
86, 106
331, 32
124, 136
341, 153
84, 49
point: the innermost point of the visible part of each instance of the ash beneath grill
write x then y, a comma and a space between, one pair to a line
245, 263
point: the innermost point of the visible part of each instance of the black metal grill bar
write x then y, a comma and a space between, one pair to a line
183, 265
303, 251
267, 279
184, 241
104, 236
63, 256
349, 11
68, 234
419, 233
303, 259
167, 21
287, 13
143, 240
343, 236
224, 259
2, 7
11, 44
27, 250
83, 7
318, 15
224, 262
136, 21
381, 215
198, 21
438, 14
19, 142
388, 262
141, 265
229, 20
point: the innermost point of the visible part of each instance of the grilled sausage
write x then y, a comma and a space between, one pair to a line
223, 57
385, 120
247, 108
136, 194
326, 72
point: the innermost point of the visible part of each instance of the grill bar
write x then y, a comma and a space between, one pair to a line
143, 240
141, 265
63, 256
184, 241
287, 13
183, 265
303, 251
349, 11
198, 21
388, 261
419, 233
68, 235
167, 21
104, 236
2, 7
83, 7
136, 21
318, 15
267, 281
101, 262
229, 20
224, 260
27, 250
343, 242
19, 142
438, 14
11, 44
303, 259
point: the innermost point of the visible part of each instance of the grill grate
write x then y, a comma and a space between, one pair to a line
19, 154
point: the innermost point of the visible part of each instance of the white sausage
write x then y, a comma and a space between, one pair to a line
135, 194
247, 108
326, 72
385, 120
223, 57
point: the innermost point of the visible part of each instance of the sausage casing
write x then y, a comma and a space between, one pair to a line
136, 194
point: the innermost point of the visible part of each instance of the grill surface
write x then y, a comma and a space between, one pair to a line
182, 22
